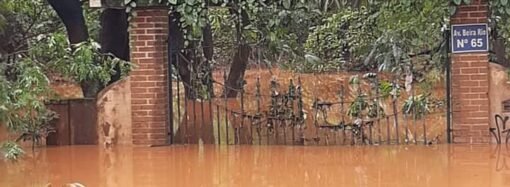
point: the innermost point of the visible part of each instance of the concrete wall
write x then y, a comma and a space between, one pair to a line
114, 108
499, 90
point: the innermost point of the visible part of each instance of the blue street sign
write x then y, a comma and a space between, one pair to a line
469, 38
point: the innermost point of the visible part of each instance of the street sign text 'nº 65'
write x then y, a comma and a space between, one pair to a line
468, 38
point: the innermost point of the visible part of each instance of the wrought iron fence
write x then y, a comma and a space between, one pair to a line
369, 110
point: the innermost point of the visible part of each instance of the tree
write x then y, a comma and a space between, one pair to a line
71, 14
114, 37
35, 48
193, 23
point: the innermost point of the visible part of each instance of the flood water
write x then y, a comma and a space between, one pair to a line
193, 165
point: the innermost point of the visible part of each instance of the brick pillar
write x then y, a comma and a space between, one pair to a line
470, 83
149, 101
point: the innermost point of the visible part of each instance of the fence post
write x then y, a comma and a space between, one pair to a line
210, 94
186, 111
378, 115
448, 80
274, 108
395, 111
301, 114
292, 94
202, 119
388, 132
193, 98
342, 111
257, 98
218, 123
406, 123
225, 91
242, 112
170, 99
415, 117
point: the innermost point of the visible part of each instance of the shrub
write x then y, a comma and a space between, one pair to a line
342, 39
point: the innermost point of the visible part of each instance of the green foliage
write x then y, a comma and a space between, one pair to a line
93, 21
11, 151
358, 106
385, 89
23, 110
80, 62
344, 36
284, 28
33, 46
5, 87
500, 21
36, 128
223, 32
342, 39
24, 98
390, 35
23, 21
417, 106
193, 16
410, 30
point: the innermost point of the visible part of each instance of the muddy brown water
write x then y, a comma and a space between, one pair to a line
193, 165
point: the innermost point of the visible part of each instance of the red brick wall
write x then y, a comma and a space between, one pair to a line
470, 83
149, 100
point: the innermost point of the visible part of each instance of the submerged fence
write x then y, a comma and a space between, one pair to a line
366, 108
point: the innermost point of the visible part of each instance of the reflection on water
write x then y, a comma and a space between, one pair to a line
192, 165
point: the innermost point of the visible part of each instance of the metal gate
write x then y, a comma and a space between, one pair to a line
76, 123
280, 107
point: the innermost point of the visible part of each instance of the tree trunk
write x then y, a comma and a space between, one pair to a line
71, 14
208, 48
240, 60
207, 43
114, 36
237, 69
